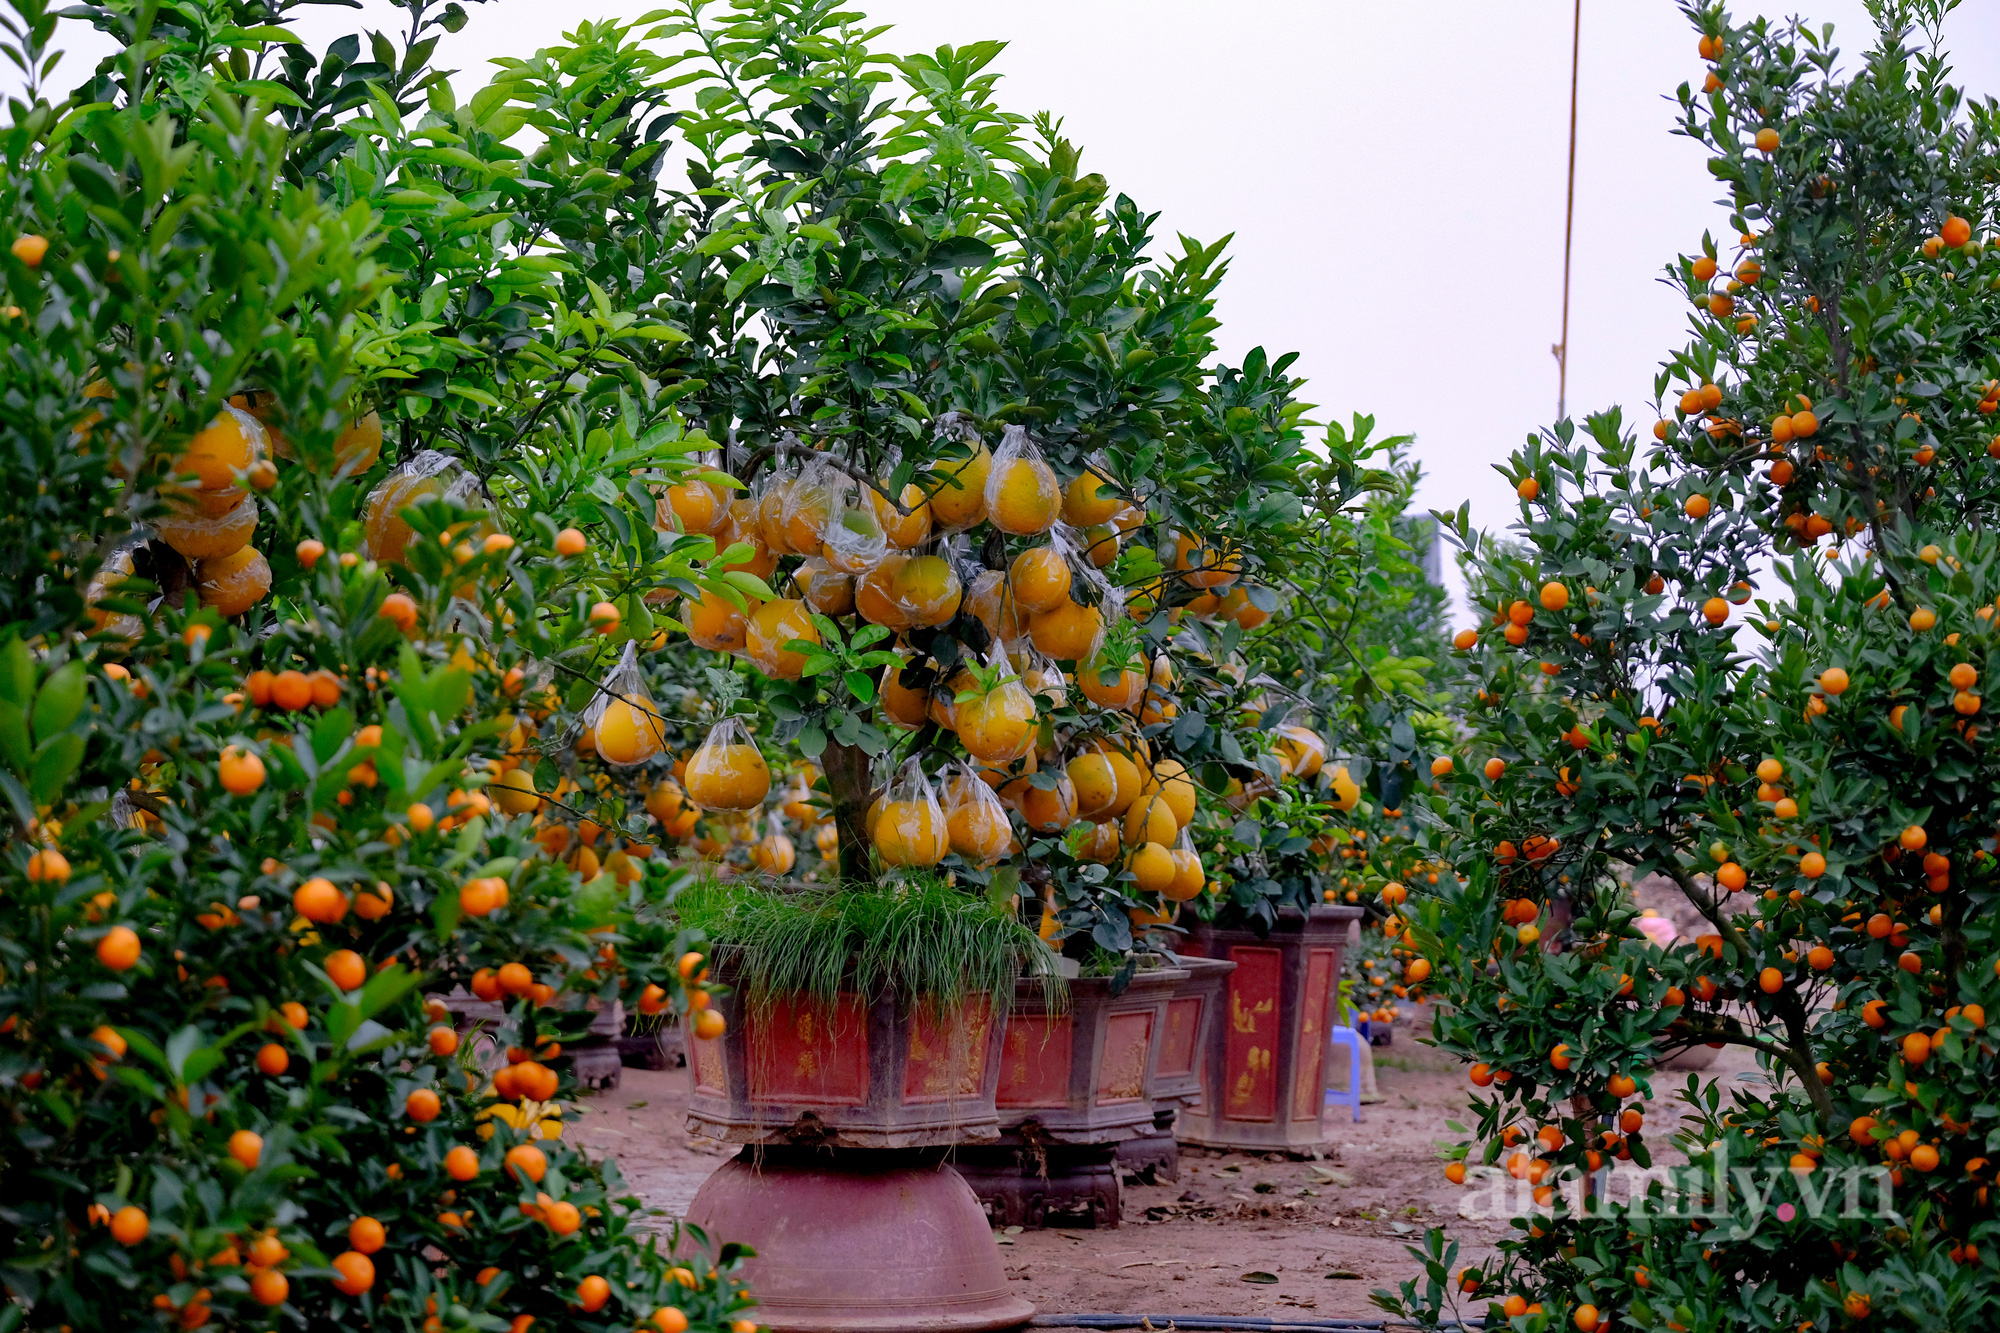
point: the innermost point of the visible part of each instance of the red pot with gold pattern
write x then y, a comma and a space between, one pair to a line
1087, 1071
1265, 1068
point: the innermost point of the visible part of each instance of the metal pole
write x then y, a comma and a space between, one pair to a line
1569, 218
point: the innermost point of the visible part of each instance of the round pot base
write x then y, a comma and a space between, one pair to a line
859, 1241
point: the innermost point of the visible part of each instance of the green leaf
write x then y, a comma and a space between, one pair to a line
446, 911
14, 748
17, 672
59, 700
54, 763
330, 731
341, 1021
749, 584
392, 983
451, 691
264, 90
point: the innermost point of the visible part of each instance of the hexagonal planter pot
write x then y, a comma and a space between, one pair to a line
857, 1072
1265, 1067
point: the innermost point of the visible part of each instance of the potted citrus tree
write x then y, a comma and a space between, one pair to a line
1323, 708
267, 653
961, 490
1808, 765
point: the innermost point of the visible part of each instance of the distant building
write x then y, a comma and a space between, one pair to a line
1429, 548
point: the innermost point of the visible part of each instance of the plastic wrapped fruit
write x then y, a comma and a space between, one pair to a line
117, 567
727, 772
910, 830
771, 627
975, 820
216, 456
717, 624
991, 598
825, 590
1095, 783
200, 536
926, 590
771, 505
808, 506
234, 583
905, 704
1189, 878
1301, 749
624, 723
1000, 723
385, 536
1070, 633
693, 505
904, 531
1109, 687
874, 593
1045, 808
1022, 495
1039, 578
853, 540
958, 493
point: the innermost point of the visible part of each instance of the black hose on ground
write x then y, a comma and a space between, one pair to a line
1215, 1323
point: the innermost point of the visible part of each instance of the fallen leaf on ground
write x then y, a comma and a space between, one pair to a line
1259, 1275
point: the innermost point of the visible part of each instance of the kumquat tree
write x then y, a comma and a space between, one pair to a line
1811, 767
270, 671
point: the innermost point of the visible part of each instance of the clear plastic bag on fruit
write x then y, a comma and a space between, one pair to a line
975, 820
385, 536
910, 829
999, 723
198, 535
1041, 577
216, 457
692, 506
853, 541
117, 567
991, 598
1047, 800
809, 504
1300, 749
1045, 678
926, 590
958, 488
625, 724
1023, 497
773, 495
825, 590
726, 772
906, 520
1189, 877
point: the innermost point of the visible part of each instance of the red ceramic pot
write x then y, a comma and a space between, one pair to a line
854, 1241
1265, 1068
859, 1072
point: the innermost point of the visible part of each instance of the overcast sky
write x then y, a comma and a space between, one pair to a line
1393, 175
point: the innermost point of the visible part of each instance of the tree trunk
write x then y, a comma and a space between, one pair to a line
848, 787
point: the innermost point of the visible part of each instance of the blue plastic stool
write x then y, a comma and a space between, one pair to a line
1356, 1045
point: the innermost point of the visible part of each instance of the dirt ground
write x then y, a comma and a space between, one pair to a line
1238, 1234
